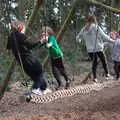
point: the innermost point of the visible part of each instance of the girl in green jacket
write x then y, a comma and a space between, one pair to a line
56, 55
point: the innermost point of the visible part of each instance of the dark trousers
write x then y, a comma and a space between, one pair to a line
94, 58
34, 70
57, 69
117, 69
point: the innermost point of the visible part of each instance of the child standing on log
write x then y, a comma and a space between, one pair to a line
93, 36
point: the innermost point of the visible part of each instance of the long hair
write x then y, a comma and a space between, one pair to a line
91, 18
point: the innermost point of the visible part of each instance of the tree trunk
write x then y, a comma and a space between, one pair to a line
6, 81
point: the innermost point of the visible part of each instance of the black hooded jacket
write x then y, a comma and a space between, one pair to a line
19, 45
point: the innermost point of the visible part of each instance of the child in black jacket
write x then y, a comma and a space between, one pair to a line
21, 50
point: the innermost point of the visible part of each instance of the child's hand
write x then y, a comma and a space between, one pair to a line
40, 41
43, 39
48, 45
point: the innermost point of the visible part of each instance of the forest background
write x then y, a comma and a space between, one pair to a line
54, 13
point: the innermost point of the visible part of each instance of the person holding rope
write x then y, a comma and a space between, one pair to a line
93, 36
115, 52
21, 50
48, 39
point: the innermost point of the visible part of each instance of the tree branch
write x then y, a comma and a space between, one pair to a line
96, 3
33, 15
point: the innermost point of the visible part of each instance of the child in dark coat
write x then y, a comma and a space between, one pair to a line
21, 50
56, 55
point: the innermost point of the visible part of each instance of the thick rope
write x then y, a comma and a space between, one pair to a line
82, 90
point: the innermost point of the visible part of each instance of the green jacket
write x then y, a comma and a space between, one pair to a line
54, 51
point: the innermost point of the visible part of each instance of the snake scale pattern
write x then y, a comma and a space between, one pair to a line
81, 89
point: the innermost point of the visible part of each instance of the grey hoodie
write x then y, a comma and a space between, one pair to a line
93, 37
115, 49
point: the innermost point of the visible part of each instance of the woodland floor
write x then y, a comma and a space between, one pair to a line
102, 105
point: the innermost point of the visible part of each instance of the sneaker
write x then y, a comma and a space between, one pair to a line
67, 84
117, 79
95, 80
47, 91
37, 91
109, 77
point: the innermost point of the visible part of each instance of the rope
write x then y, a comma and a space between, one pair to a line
81, 89
21, 63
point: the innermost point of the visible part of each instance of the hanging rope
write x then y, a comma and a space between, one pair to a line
87, 89
20, 59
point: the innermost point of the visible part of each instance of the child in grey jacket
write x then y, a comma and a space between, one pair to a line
93, 36
115, 53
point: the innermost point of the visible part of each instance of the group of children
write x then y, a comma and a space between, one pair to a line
21, 49
94, 38
91, 33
